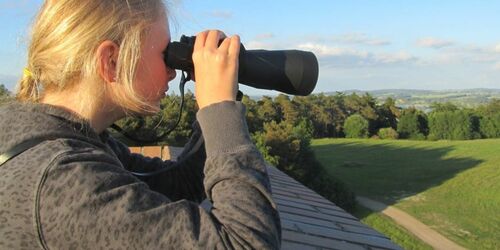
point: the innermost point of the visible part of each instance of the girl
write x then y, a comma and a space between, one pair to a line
91, 63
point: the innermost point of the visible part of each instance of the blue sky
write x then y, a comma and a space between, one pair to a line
360, 44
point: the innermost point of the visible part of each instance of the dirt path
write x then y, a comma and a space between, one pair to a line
423, 232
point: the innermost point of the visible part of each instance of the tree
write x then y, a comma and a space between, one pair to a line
321, 111
288, 110
267, 111
365, 106
356, 126
388, 114
452, 125
412, 124
339, 114
4, 94
490, 126
253, 120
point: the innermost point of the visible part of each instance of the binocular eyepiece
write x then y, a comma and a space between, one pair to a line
292, 72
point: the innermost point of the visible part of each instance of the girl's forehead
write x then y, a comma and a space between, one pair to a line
161, 28
158, 35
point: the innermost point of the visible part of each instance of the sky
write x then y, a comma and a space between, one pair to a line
360, 44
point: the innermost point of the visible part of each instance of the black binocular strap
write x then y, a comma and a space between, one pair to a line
19, 148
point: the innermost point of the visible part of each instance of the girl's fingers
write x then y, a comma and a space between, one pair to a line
213, 38
215, 59
234, 46
200, 40
224, 46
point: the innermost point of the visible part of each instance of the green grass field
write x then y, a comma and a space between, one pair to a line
452, 186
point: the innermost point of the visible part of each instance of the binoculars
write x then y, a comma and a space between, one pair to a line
292, 72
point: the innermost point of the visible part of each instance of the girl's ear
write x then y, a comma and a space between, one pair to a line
107, 56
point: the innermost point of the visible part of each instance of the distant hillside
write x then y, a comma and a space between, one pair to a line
422, 99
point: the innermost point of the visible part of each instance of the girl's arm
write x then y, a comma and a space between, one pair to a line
88, 200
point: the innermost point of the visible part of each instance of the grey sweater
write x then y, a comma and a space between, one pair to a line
75, 191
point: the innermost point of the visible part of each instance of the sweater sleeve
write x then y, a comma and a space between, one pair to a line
182, 179
87, 200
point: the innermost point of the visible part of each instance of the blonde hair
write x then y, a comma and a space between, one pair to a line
64, 40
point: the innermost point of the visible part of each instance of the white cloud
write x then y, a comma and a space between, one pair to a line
435, 43
359, 38
324, 50
347, 57
474, 53
470, 54
395, 58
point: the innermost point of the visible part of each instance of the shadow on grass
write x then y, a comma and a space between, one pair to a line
389, 172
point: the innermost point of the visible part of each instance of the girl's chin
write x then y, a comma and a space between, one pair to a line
153, 109
159, 97
157, 104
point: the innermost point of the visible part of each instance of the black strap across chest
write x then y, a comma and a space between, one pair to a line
19, 148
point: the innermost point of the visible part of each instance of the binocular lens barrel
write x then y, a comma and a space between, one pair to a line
292, 72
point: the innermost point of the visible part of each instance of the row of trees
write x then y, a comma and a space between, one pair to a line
339, 115
445, 121
355, 116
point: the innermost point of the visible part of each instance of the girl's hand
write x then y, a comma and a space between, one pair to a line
215, 67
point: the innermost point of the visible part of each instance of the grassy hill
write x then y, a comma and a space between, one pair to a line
452, 186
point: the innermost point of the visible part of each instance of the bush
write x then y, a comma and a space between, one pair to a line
388, 133
334, 190
260, 142
418, 136
490, 126
356, 126
287, 147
